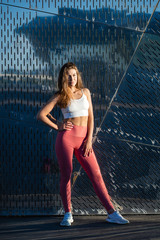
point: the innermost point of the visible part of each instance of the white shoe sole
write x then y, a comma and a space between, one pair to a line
117, 222
67, 223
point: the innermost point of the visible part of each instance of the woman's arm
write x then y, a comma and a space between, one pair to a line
45, 116
90, 125
45, 110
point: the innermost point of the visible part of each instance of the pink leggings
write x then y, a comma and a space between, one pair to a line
71, 141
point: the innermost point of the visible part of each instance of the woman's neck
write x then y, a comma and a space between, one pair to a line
73, 89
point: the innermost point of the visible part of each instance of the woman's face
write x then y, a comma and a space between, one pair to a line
72, 77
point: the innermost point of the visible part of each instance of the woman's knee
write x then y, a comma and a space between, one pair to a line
97, 176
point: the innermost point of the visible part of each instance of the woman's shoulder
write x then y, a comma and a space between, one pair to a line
86, 91
55, 98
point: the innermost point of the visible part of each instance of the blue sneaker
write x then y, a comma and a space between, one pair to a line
67, 220
116, 217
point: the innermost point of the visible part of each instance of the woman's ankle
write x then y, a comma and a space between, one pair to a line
111, 211
68, 213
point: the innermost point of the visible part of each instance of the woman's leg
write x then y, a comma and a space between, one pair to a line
90, 165
64, 152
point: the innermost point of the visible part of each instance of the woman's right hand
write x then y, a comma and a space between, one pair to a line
65, 126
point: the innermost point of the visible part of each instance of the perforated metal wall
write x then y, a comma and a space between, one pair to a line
116, 46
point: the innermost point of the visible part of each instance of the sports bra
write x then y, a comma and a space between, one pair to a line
76, 108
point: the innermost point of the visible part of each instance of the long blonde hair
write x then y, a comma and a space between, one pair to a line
64, 91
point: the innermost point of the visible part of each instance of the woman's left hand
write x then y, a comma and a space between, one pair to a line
87, 148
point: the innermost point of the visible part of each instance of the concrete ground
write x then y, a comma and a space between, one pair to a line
144, 227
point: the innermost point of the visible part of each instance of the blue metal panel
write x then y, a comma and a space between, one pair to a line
116, 47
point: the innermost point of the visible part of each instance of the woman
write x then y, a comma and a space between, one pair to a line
75, 135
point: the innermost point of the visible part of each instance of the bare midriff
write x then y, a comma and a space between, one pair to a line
78, 121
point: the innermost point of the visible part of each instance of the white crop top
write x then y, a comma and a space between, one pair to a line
76, 108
